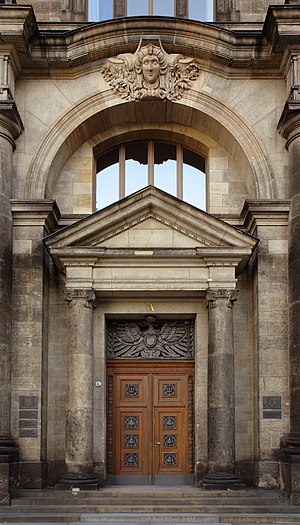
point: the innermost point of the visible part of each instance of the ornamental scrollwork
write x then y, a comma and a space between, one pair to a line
88, 296
150, 73
150, 340
212, 297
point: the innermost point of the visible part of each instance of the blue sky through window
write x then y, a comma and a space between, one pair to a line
99, 10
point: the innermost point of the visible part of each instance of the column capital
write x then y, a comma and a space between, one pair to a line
11, 125
213, 296
86, 295
289, 123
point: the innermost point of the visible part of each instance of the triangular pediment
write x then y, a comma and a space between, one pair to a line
150, 219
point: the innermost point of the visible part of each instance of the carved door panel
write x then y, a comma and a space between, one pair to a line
131, 423
150, 423
170, 396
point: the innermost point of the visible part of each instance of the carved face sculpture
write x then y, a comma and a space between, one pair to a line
150, 68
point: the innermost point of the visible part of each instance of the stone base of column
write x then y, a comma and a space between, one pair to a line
81, 479
222, 481
290, 462
9, 469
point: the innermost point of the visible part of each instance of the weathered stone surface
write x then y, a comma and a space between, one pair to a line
157, 253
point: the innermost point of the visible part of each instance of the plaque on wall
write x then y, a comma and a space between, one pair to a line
28, 416
271, 407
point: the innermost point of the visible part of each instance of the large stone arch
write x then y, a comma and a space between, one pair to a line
103, 116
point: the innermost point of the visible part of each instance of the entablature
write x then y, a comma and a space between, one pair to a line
72, 49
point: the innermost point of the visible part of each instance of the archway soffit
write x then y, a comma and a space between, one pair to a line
82, 122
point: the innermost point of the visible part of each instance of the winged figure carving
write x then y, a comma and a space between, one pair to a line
143, 340
150, 73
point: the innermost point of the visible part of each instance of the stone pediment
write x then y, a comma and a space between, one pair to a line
149, 219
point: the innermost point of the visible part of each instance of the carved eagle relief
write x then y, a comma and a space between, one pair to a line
144, 340
150, 73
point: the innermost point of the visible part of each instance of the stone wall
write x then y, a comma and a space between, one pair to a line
243, 10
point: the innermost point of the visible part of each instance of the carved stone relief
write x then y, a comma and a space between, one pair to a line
150, 73
155, 340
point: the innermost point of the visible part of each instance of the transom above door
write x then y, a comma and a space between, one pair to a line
150, 422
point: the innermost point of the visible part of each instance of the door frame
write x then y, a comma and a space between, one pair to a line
168, 367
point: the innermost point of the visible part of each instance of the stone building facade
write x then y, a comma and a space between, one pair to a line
149, 341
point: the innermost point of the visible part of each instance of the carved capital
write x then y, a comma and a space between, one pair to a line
150, 73
213, 296
88, 296
232, 297
10, 121
289, 123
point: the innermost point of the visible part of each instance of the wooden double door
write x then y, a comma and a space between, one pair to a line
150, 423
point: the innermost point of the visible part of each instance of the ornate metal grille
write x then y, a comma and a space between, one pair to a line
170, 422
170, 460
131, 422
132, 390
170, 440
131, 441
169, 390
156, 340
131, 460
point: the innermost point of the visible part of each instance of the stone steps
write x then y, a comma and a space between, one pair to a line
157, 519
138, 505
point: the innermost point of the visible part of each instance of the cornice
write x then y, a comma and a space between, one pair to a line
35, 213
265, 213
69, 51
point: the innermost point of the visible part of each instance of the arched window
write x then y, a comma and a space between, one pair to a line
170, 167
202, 10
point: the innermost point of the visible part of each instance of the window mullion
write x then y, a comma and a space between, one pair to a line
150, 7
122, 172
179, 171
151, 163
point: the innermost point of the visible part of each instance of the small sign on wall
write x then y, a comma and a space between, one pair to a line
271, 407
28, 416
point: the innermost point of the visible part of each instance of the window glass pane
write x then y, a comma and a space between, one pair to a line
107, 186
163, 7
193, 159
194, 186
165, 176
136, 176
165, 167
136, 166
201, 10
107, 159
137, 7
100, 10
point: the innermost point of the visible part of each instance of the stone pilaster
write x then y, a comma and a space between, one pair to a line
221, 404
79, 417
10, 128
289, 126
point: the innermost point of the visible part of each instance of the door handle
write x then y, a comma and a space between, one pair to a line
157, 443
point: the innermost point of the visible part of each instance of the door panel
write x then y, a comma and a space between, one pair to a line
170, 434
131, 445
150, 435
131, 422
